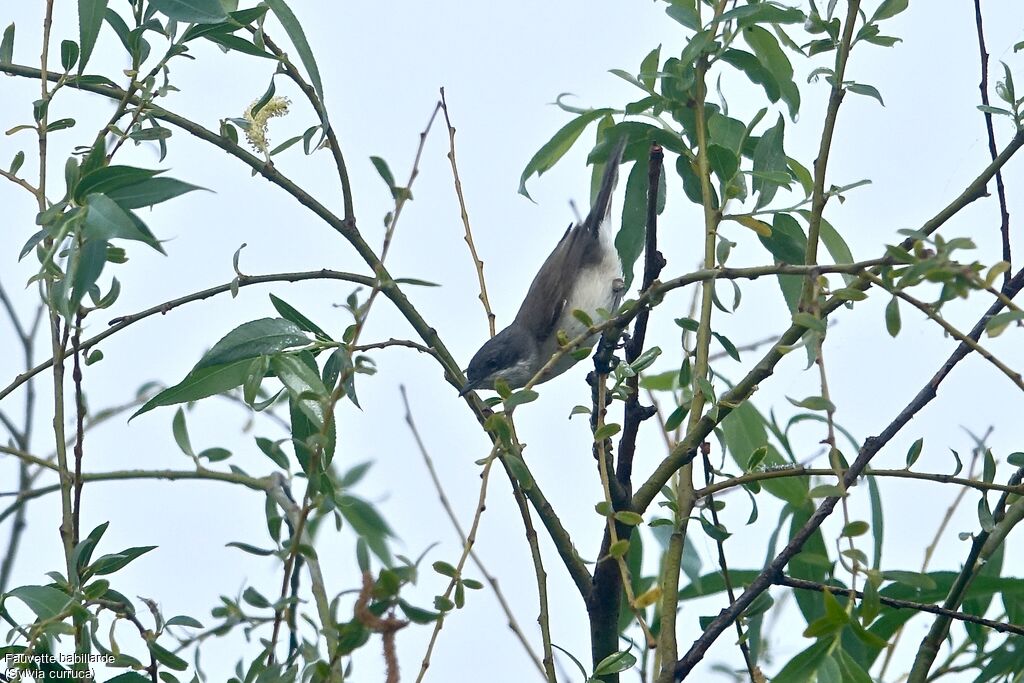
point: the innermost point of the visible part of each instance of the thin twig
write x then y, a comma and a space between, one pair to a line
466, 548
22, 437
929, 311
999, 626
801, 471
1004, 214
119, 323
446, 504
940, 531
477, 263
835, 99
1005, 516
321, 111
19, 181
76, 376
748, 659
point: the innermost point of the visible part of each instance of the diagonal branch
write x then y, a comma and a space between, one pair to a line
684, 450
871, 446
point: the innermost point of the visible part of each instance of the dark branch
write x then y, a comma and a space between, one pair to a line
1004, 214
871, 446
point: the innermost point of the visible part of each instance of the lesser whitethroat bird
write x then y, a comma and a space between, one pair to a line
582, 272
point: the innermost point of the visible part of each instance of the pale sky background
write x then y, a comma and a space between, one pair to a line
382, 64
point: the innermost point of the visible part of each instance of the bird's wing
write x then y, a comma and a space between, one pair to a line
544, 302
550, 290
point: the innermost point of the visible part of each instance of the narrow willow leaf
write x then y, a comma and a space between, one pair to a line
150, 191
252, 339
914, 452
191, 11
555, 148
298, 37
90, 19
45, 601
200, 383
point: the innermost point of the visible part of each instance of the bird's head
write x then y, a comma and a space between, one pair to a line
511, 355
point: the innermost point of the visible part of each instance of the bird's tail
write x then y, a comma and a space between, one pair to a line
602, 207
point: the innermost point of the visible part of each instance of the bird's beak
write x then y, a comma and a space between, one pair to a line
470, 386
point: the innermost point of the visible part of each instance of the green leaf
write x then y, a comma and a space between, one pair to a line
273, 451
802, 668
7, 45
298, 37
814, 403
912, 579
520, 397
108, 564
999, 322
180, 430
769, 158
745, 433
368, 523
715, 531
724, 162
301, 382
183, 620
615, 663
45, 601
892, 316
685, 12
150, 191
88, 261
103, 180
985, 517
68, 54
555, 148
646, 359
606, 431
200, 383
855, 528
888, 9
417, 615
251, 549
810, 321
288, 312
82, 554
774, 60
191, 11
252, 339
215, 454
648, 66
90, 19
914, 452
619, 548
630, 239
519, 470
673, 421
629, 518
166, 657
105, 220
729, 347
863, 89
385, 173
444, 569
